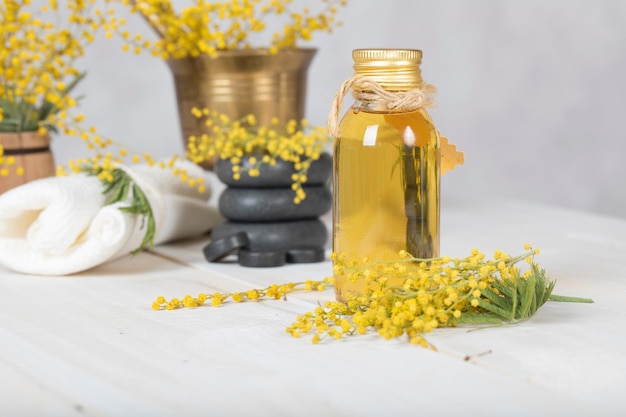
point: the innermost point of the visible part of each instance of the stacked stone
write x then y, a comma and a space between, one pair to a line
263, 207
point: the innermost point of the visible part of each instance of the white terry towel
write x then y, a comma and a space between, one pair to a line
61, 225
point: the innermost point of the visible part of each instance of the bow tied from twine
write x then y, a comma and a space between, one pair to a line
370, 91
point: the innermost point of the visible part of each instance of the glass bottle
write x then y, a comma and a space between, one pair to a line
386, 172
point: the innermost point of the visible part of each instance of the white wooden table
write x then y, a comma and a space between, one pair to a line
90, 344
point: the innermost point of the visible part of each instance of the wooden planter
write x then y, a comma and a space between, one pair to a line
31, 152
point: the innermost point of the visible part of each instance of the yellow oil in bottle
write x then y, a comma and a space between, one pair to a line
386, 188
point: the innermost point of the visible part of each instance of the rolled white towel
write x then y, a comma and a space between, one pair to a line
61, 225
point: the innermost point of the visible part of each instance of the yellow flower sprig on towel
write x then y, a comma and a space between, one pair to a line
120, 188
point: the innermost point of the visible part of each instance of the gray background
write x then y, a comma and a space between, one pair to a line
532, 91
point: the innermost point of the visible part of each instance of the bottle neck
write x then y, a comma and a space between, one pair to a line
373, 97
372, 107
382, 101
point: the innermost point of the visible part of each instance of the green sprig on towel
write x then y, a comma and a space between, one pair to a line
120, 188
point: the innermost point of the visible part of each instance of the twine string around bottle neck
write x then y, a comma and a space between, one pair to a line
371, 92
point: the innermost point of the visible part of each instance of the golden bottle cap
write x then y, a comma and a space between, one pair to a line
392, 69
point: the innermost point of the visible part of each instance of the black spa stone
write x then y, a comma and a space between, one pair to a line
218, 249
306, 255
278, 175
276, 235
273, 204
261, 259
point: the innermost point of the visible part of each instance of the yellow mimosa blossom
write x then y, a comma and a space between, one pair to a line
402, 298
204, 28
39, 49
233, 139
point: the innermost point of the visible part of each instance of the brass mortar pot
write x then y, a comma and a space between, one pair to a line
242, 82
